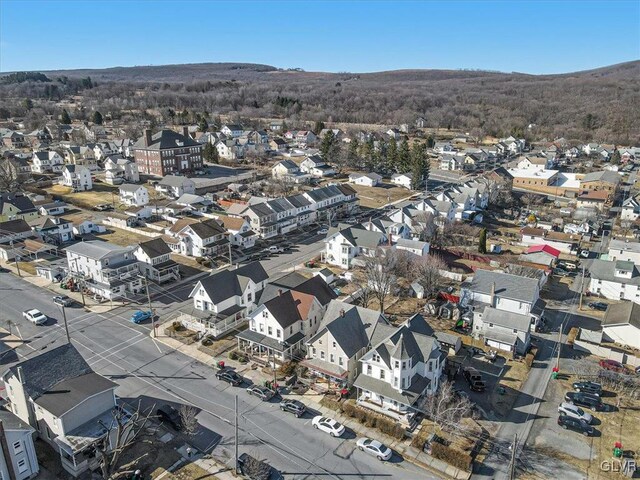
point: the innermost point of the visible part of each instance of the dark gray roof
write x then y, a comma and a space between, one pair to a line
14, 226
165, 139
314, 286
407, 396
298, 201
18, 200
66, 394
602, 176
11, 422
229, 283
506, 285
605, 270
284, 309
622, 314
42, 372
207, 228
511, 320
155, 247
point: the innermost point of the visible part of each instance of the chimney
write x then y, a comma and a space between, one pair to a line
147, 137
342, 312
185, 131
492, 302
279, 291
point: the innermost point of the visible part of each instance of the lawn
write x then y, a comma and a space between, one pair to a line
101, 193
189, 471
121, 237
375, 197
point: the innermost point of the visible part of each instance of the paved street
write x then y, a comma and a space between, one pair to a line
154, 373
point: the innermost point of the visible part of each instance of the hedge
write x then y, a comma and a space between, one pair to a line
452, 456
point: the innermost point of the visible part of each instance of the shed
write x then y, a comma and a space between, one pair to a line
326, 274
417, 290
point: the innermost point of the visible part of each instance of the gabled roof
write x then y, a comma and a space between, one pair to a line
155, 247
606, 176
130, 187
229, 283
506, 319
174, 181
14, 226
625, 313
545, 249
207, 228
18, 200
509, 286
96, 249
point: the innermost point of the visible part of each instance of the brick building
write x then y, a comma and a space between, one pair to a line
167, 152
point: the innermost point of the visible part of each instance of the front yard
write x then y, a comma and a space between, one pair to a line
101, 193
375, 197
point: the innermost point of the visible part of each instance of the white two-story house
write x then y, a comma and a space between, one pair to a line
20, 456
109, 271
47, 162
197, 239
239, 230
155, 261
400, 370
615, 279
78, 177
133, 195
343, 246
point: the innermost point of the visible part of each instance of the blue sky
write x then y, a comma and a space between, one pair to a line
510, 35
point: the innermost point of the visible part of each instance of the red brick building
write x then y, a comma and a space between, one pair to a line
167, 152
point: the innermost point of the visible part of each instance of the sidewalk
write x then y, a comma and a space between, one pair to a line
312, 400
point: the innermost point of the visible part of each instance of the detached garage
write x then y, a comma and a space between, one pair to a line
621, 324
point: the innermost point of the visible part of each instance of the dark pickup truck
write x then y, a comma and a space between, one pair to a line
474, 377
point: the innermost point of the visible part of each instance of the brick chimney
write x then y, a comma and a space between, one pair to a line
147, 137
493, 295
342, 313
185, 131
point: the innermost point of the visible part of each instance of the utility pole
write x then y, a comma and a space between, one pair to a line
581, 288
230, 261
66, 325
18, 265
559, 345
512, 463
76, 275
236, 437
153, 317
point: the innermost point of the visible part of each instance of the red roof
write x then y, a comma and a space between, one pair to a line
544, 248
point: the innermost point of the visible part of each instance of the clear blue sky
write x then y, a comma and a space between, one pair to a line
510, 35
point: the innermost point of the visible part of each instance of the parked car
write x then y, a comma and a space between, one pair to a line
140, 316
573, 411
170, 415
600, 306
588, 387
294, 406
585, 253
614, 366
322, 231
35, 316
103, 207
575, 424
230, 377
567, 265
263, 393
63, 300
329, 425
375, 448
274, 249
587, 400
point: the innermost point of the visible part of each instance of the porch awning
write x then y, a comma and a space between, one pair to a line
325, 367
407, 397
277, 345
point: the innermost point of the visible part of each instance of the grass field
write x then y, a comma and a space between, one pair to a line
122, 237
101, 193
375, 197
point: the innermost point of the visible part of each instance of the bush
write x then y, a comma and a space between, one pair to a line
390, 427
330, 402
452, 456
233, 355
287, 369
419, 440
573, 333
349, 409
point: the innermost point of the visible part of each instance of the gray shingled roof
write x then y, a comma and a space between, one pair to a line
506, 285
622, 314
605, 270
68, 393
228, 283
165, 139
155, 247
506, 319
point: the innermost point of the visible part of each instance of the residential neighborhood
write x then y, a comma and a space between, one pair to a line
267, 272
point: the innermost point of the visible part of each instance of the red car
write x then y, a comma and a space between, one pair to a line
614, 366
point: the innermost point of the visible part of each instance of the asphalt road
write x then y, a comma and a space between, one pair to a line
156, 374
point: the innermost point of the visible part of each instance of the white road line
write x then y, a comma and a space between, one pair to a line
19, 334
122, 346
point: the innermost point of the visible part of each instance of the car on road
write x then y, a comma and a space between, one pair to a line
600, 306
168, 414
375, 448
587, 400
275, 249
35, 316
614, 366
329, 425
322, 231
140, 316
63, 300
263, 393
294, 406
103, 207
230, 377
588, 387
573, 411
567, 265
585, 253
575, 424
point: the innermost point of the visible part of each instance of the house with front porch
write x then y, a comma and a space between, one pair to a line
343, 246
47, 162
66, 402
155, 261
198, 238
224, 300
239, 231
288, 314
133, 195
77, 177
401, 370
344, 335
175, 186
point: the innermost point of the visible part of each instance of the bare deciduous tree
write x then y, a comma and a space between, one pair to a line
378, 271
188, 419
424, 226
11, 179
446, 409
426, 271
127, 428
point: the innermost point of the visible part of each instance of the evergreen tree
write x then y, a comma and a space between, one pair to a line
392, 155
65, 119
210, 154
404, 157
430, 141
352, 153
318, 127
96, 118
27, 103
482, 243
368, 154
615, 157
203, 126
419, 164
328, 141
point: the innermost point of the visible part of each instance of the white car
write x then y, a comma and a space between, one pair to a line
375, 448
35, 316
573, 411
323, 231
329, 425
